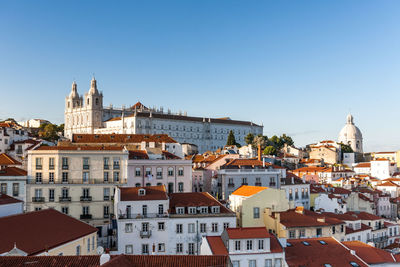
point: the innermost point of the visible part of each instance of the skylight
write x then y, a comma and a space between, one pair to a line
305, 243
288, 244
354, 264
322, 242
327, 265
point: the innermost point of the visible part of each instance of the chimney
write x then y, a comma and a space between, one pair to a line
259, 152
299, 209
105, 257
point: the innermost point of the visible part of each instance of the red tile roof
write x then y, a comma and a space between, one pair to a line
151, 193
339, 191
248, 232
364, 227
249, 163
195, 199
369, 254
365, 215
167, 261
292, 218
389, 183
363, 165
217, 245
12, 171
34, 232
50, 261
8, 160
248, 190
138, 154
122, 138
317, 254
6, 199
83, 148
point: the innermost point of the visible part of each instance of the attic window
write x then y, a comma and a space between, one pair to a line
327, 265
288, 244
322, 242
305, 243
215, 209
180, 210
142, 192
355, 264
192, 210
96, 136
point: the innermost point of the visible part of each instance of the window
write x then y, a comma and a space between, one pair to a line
159, 173
128, 228
51, 195
51, 163
3, 188
235, 263
85, 177
180, 210
302, 233
354, 264
106, 176
292, 233
180, 172
39, 163
191, 228
333, 229
106, 211
144, 210
214, 227
38, 177
260, 244
64, 210
179, 248
106, 194
160, 209
106, 163
256, 212
161, 247
65, 177
137, 172
85, 163
88, 245
278, 262
64, 163
180, 187
192, 210
93, 244
170, 171
268, 263
65, 193
78, 250
203, 228
145, 249
116, 176
252, 263
51, 177
116, 163
237, 245
249, 244
179, 228
319, 232
145, 227
128, 249
244, 181
215, 209
342, 228
191, 249
15, 189
148, 172
85, 210
226, 225
161, 226
204, 209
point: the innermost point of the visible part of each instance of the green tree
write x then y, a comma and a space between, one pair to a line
49, 132
231, 139
270, 150
346, 148
249, 138
260, 140
286, 140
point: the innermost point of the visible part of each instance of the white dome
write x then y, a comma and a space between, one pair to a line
351, 135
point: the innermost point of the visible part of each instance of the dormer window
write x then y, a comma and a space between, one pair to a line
204, 210
142, 192
215, 209
180, 210
192, 210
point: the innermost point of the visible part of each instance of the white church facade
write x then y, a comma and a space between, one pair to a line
86, 114
351, 135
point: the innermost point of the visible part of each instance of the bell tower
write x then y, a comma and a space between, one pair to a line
93, 103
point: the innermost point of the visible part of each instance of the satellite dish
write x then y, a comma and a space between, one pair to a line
100, 250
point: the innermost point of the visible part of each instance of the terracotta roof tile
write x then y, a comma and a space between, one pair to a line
365, 215
50, 261
363, 165
317, 254
216, 245
292, 218
6, 199
12, 171
33, 232
364, 227
8, 160
248, 190
248, 232
151, 193
369, 254
83, 148
138, 154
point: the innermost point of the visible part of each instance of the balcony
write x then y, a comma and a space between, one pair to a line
141, 216
258, 184
245, 184
64, 199
231, 185
86, 198
116, 167
51, 167
77, 181
106, 216
86, 167
272, 184
106, 167
37, 199
106, 198
65, 167
159, 176
86, 216
38, 167
145, 234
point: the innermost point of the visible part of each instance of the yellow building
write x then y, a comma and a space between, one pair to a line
302, 223
76, 180
46, 232
250, 203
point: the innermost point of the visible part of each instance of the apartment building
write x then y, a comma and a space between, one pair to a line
12, 178
77, 180
150, 220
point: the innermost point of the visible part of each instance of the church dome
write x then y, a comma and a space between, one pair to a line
351, 135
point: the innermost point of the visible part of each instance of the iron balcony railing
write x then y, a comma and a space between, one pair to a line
86, 198
37, 199
86, 216
64, 199
141, 216
145, 234
77, 181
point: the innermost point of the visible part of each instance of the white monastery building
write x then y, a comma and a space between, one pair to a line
86, 114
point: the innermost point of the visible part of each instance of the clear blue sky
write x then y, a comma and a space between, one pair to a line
298, 67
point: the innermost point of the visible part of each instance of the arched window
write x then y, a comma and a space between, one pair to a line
97, 101
88, 101
69, 104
